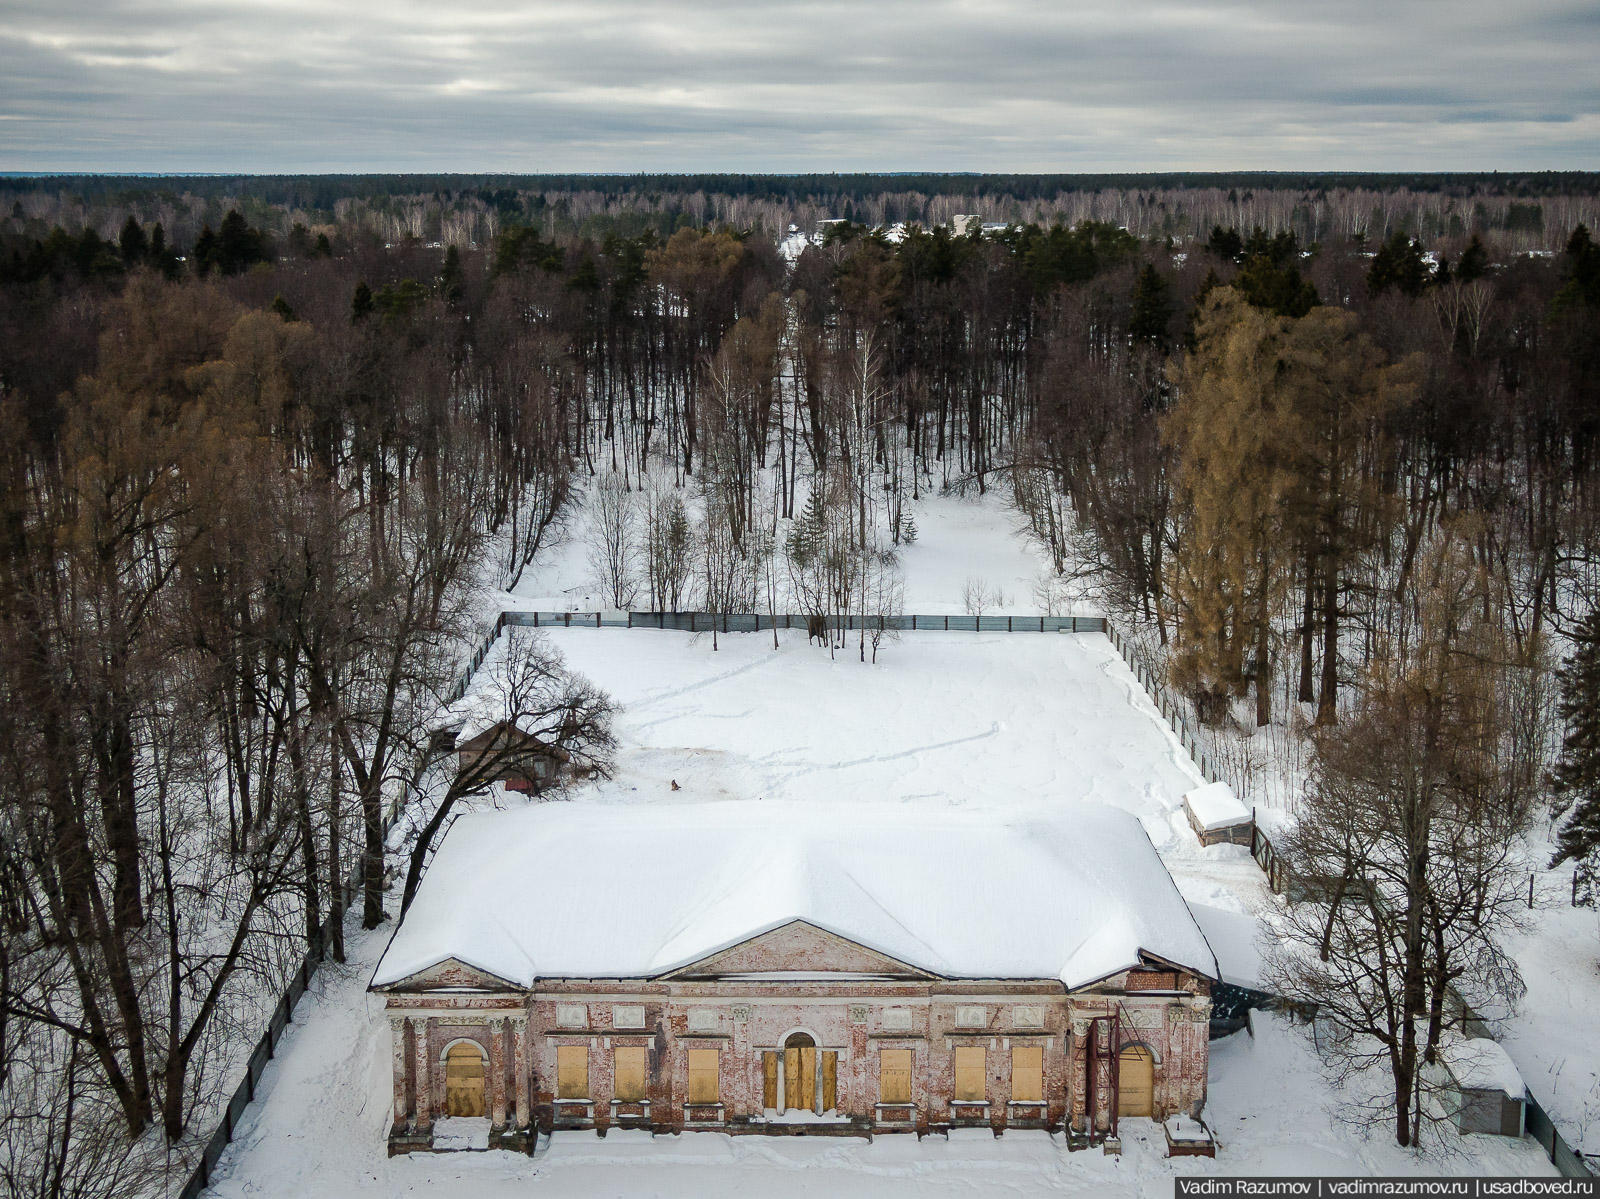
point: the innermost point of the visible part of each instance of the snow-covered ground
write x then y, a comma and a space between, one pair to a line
1015, 723
957, 539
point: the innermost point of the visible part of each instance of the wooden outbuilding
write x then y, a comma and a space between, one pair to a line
504, 753
1217, 816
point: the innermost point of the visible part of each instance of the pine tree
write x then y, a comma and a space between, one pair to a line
1152, 307
1576, 776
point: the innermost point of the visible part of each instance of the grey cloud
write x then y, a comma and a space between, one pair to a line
286, 85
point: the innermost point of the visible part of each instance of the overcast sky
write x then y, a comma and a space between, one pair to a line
895, 85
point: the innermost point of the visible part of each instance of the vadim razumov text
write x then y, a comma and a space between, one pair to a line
1381, 1188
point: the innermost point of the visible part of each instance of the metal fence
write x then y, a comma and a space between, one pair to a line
282, 1017
757, 622
1568, 1160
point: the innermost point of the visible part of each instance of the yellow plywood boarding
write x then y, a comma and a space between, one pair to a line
1136, 1069
630, 1063
830, 1080
463, 1080
808, 1079
703, 1076
769, 1079
572, 1072
894, 1076
1027, 1074
970, 1065
791, 1080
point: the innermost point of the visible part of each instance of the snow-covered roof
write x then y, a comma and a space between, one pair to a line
1216, 806
601, 891
1480, 1064
1232, 936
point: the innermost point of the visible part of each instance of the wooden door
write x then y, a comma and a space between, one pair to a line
463, 1080
830, 1080
1136, 1081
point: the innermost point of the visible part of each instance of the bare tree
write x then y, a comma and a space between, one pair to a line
1408, 855
542, 711
668, 546
612, 540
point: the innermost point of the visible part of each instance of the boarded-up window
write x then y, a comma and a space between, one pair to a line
830, 1080
628, 1016
572, 1072
894, 1076
630, 1073
703, 1076
572, 1015
968, 1016
969, 1073
1027, 1074
1028, 1015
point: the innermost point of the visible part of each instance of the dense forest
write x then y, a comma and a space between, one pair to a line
1328, 450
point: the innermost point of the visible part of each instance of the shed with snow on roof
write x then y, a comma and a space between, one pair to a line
1217, 816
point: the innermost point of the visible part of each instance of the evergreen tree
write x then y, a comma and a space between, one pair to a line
1277, 289
238, 245
132, 242
451, 279
284, 310
1474, 263
1576, 776
205, 250
1399, 263
162, 256
1225, 243
324, 246
1152, 307
1583, 272
361, 304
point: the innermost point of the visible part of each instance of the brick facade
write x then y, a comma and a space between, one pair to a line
795, 986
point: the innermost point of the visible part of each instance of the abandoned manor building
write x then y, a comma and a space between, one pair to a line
751, 966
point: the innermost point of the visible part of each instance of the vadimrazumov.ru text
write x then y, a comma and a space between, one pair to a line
1379, 1188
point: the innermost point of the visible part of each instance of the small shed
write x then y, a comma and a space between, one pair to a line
1486, 1093
504, 753
1217, 816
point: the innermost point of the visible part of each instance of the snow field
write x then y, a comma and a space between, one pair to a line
1012, 723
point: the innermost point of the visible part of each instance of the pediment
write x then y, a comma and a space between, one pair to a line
798, 948
452, 974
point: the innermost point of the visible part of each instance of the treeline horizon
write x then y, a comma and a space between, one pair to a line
1537, 209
